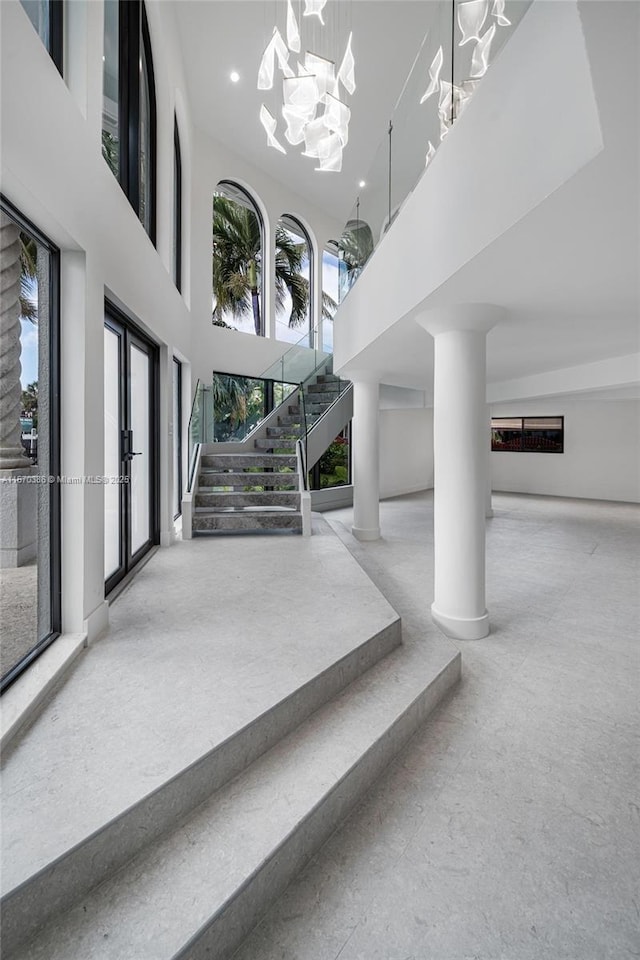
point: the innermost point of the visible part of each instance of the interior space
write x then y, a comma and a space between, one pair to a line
319, 479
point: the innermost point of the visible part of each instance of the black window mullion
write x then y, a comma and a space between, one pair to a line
129, 95
56, 34
144, 38
177, 205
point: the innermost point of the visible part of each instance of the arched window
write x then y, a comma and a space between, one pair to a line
129, 106
294, 283
237, 260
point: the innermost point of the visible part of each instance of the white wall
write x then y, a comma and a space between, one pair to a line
406, 451
601, 458
54, 173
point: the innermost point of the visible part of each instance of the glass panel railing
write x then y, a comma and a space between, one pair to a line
194, 431
299, 362
461, 40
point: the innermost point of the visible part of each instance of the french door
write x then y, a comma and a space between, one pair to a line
130, 446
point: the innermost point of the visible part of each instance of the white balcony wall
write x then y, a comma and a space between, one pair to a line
510, 150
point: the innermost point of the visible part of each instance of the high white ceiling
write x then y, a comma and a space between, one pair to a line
218, 36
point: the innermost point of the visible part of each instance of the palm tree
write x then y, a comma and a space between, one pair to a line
28, 278
237, 266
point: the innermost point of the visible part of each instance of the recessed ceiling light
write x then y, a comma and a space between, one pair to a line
234, 76
362, 184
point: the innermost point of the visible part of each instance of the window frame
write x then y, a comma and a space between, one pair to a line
54, 43
177, 205
55, 516
522, 430
304, 236
134, 39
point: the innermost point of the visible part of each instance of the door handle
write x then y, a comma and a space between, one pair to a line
131, 454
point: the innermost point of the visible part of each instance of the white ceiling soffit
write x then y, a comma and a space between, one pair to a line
218, 36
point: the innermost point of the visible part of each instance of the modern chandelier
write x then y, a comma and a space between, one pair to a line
453, 98
313, 107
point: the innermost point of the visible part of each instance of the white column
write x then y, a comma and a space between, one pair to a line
366, 464
460, 466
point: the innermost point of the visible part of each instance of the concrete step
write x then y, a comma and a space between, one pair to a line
264, 498
290, 418
333, 387
328, 378
287, 430
236, 461
254, 519
197, 892
275, 443
210, 478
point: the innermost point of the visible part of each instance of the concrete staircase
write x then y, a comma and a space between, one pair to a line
259, 490
187, 872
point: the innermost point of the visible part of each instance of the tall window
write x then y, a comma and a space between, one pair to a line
47, 18
29, 446
237, 261
294, 322
330, 294
129, 110
177, 207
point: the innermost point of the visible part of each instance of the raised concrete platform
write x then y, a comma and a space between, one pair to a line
207, 669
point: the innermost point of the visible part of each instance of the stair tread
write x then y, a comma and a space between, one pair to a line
210, 856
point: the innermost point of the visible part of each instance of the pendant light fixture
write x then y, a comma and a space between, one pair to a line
313, 96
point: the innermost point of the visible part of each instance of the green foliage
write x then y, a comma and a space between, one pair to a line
28, 278
237, 266
29, 403
110, 151
334, 464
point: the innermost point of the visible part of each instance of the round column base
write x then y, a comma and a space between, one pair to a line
461, 628
364, 533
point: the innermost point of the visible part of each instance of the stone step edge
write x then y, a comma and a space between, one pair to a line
274, 862
239, 915
59, 884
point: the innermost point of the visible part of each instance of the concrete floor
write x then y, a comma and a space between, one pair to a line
208, 636
509, 828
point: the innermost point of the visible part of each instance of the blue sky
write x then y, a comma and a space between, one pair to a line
29, 355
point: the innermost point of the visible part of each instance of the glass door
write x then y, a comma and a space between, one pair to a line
130, 363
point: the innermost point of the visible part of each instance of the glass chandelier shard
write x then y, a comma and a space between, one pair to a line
293, 33
294, 133
282, 53
434, 75
336, 118
275, 48
323, 70
451, 101
347, 71
331, 164
313, 109
430, 153
314, 8
481, 54
315, 132
471, 17
301, 95
497, 11
265, 70
270, 123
